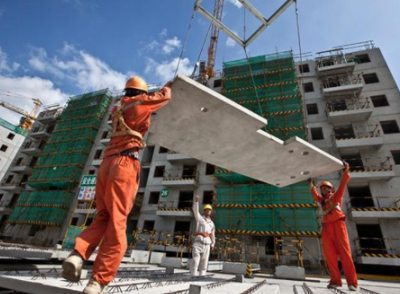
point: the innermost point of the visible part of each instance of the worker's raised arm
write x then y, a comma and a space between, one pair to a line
314, 191
157, 100
196, 213
343, 183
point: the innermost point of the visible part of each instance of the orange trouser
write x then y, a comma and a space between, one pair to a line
116, 187
335, 241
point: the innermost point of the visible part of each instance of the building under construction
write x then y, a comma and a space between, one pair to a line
344, 101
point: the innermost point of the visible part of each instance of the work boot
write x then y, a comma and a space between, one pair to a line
93, 287
332, 286
72, 267
352, 288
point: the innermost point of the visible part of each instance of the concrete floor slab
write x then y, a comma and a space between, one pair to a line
205, 125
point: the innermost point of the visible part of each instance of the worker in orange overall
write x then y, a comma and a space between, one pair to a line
335, 240
204, 241
116, 187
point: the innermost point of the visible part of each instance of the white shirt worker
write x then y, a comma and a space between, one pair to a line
204, 241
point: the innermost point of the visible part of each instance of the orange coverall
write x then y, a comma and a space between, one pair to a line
116, 187
335, 240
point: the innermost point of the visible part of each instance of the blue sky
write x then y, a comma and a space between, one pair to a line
54, 49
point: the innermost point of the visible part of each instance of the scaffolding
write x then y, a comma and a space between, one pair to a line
266, 85
60, 166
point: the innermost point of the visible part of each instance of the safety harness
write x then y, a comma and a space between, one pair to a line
326, 211
120, 128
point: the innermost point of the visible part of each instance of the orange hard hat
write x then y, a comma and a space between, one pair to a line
136, 83
326, 183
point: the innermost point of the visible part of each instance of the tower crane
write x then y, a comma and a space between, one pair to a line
26, 122
212, 49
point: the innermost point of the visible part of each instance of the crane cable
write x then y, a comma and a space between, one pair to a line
201, 51
184, 43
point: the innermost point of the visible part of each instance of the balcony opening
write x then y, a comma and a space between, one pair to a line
33, 161
308, 87
390, 127
9, 179
89, 220
131, 226
360, 197
355, 161
27, 145
362, 58
50, 129
208, 197
303, 68
104, 135
270, 245
19, 161
338, 105
379, 101
97, 154
148, 154
162, 150
144, 176
41, 145
396, 156
312, 108
154, 197
74, 221
317, 134
371, 78
33, 230
185, 199
217, 83
13, 200
148, 225
189, 172
159, 171
91, 172
10, 136
210, 169
371, 239
24, 179
344, 132
182, 229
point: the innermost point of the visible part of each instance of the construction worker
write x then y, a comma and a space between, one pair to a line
335, 240
116, 187
204, 240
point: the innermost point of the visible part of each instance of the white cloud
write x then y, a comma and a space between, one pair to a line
171, 44
236, 3
4, 64
87, 72
163, 33
164, 71
230, 42
32, 87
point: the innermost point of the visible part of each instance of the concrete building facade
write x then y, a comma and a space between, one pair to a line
352, 107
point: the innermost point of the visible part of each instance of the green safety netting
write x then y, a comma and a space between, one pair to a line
66, 152
59, 168
277, 220
13, 128
52, 198
70, 236
264, 194
269, 89
44, 216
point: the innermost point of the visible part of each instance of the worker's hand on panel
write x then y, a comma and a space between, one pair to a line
196, 198
310, 182
169, 83
346, 166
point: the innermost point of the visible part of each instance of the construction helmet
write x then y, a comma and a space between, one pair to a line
328, 184
207, 206
136, 83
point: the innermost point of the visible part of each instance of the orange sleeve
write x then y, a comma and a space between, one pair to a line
316, 195
342, 187
157, 100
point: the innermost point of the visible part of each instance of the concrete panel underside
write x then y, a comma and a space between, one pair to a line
210, 127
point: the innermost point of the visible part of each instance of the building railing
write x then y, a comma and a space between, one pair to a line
348, 104
340, 80
50, 114
373, 164
375, 203
357, 134
386, 246
175, 205
183, 174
